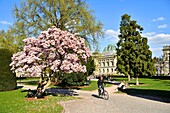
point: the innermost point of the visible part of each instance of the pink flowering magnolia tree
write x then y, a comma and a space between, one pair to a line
54, 50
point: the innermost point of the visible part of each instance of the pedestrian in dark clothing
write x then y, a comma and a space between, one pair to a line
100, 84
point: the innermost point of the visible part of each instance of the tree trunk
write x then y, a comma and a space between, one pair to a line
42, 76
41, 79
137, 81
46, 85
128, 77
42, 87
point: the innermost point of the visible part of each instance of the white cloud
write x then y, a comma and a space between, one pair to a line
158, 19
162, 26
157, 51
149, 34
154, 38
156, 41
111, 34
5, 23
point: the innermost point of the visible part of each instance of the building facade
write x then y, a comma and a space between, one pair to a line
166, 60
106, 61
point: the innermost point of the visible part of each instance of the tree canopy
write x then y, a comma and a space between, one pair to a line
11, 41
134, 56
52, 52
34, 16
54, 49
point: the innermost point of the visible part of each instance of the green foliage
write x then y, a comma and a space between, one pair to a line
33, 16
134, 56
9, 41
7, 78
77, 79
90, 66
91, 87
72, 79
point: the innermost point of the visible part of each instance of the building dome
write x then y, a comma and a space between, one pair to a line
109, 49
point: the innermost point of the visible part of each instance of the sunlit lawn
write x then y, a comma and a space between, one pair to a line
34, 81
15, 102
93, 86
148, 86
145, 83
148, 83
29, 81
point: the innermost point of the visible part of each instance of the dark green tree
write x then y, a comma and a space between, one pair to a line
7, 78
33, 16
133, 55
90, 66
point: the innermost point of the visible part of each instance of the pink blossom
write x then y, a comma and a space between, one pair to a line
54, 49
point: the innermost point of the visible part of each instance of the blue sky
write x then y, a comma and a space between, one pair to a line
152, 15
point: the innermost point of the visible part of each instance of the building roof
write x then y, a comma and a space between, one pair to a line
109, 49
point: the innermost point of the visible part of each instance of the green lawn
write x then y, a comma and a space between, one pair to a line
149, 87
149, 83
34, 81
93, 86
154, 84
29, 81
15, 102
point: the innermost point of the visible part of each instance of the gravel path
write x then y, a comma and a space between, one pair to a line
26, 87
117, 103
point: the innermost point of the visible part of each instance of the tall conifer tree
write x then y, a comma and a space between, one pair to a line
134, 56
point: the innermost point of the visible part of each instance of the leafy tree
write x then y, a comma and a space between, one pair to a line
7, 78
90, 66
34, 16
11, 41
71, 79
96, 56
53, 52
134, 56
7, 41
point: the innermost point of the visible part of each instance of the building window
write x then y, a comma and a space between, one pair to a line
100, 64
108, 70
107, 63
103, 71
112, 69
103, 64
99, 71
112, 63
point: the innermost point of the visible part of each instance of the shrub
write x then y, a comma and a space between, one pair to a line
77, 79
72, 79
7, 78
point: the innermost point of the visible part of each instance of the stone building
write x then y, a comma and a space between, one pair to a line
166, 60
106, 61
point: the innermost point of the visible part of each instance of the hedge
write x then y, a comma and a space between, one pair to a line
7, 78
